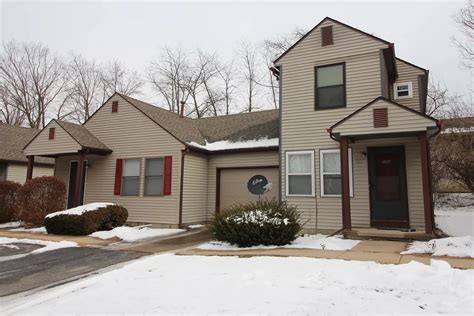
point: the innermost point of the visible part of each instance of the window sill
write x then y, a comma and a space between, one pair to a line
300, 195
330, 108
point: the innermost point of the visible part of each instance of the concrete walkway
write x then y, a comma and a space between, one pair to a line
386, 252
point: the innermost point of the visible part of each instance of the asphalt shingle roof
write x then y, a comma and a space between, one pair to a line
13, 139
82, 135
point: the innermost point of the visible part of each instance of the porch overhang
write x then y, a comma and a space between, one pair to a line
383, 118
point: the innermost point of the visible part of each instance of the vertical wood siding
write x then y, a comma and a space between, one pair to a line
269, 158
195, 188
62, 142
17, 172
130, 134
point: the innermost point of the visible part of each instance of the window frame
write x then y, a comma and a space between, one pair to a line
316, 95
410, 90
123, 176
287, 175
322, 173
162, 176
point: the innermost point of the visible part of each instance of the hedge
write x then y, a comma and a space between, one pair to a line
104, 218
8, 198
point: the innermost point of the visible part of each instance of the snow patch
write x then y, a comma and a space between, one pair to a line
258, 286
48, 245
195, 226
225, 144
454, 214
79, 210
131, 234
307, 241
451, 246
11, 224
36, 230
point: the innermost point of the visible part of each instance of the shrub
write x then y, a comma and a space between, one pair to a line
38, 197
103, 218
267, 222
8, 197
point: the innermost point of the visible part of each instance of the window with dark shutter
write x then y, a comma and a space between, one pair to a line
52, 130
131, 177
330, 87
154, 170
380, 118
114, 106
326, 34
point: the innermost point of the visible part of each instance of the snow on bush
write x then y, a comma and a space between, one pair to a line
80, 209
260, 223
451, 246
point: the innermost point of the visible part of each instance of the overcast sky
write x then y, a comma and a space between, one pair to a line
133, 31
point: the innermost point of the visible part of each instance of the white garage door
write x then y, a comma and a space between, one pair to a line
233, 185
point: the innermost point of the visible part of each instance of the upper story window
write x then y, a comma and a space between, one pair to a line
131, 177
300, 173
154, 170
330, 87
403, 90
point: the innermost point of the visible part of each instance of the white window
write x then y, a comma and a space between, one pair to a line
330, 163
300, 173
154, 176
403, 90
131, 177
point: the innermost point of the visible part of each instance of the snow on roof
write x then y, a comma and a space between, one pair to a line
226, 145
459, 130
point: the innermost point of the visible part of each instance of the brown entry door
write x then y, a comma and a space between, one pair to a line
388, 187
72, 184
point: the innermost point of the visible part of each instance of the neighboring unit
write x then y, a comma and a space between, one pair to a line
348, 146
13, 162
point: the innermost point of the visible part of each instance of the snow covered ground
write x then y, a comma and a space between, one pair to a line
454, 214
308, 241
37, 230
48, 245
451, 246
11, 224
170, 284
131, 234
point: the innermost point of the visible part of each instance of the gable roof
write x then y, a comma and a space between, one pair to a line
335, 21
13, 139
233, 127
82, 135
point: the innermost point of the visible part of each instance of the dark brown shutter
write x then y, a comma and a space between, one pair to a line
52, 131
167, 177
118, 176
326, 35
114, 106
380, 118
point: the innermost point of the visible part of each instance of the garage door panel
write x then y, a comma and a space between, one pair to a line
233, 185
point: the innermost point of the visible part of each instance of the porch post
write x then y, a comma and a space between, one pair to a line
425, 175
346, 202
78, 186
29, 170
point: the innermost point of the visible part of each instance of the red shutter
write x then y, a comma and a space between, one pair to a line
118, 176
167, 176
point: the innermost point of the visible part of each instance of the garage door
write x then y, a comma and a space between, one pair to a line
233, 185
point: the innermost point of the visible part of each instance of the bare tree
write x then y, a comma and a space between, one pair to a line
84, 87
117, 78
32, 78
248, 55
169, 76
9, 113
465, 21
226, 74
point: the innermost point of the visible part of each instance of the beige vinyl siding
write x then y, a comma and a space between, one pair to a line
195, 188
360, 203
253, 159
17, 172
130, 134
303, 128
408, 73
62, 142
399, 120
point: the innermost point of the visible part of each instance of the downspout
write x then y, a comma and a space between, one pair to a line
180, 216
428, 150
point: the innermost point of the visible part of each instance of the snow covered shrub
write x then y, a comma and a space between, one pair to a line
38, 197
268, 222
102, 218
8, 196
